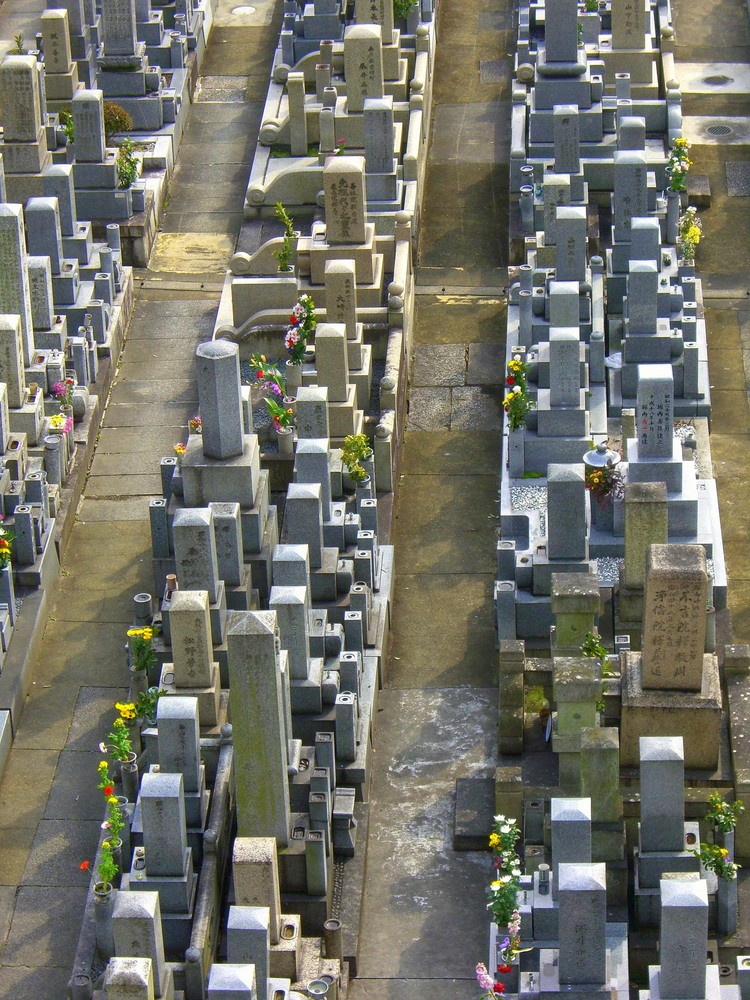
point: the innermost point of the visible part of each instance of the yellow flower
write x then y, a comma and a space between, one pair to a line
112, 800
494, 840
134, 632
496, 885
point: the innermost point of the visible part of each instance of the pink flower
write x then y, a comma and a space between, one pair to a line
484, 979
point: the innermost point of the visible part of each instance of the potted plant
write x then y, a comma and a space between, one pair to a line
63, 393
280, 406
145, 706
140, 650
689, 236
106, 873
355, 450
284, 254
302, 323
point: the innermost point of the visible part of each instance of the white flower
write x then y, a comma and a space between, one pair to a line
516, 357
103, 748
517, 388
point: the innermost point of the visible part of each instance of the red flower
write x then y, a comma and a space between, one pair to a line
85, 866
510, 380
498, 988
109, 790
260, 374
504, 969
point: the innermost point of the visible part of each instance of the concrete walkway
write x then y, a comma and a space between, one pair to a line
424, 922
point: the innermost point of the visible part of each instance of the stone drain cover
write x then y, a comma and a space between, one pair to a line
718, 80
719, 130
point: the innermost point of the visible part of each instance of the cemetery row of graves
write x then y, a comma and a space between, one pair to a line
235, 776
610, 565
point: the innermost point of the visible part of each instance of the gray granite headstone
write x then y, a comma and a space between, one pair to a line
363, 66
248, 939
43, 235
129, 979
582, 893
179, 739
195, 550
630, 199
311, 465
566, 527
378, 122
345, 200
645, 240
257, 705
561, 31
14, 282
292, 605
564, 367
341, 295
19, 92
662, 773
312, 412
56, 41
570, 260
162, 802
674, 617
683, 937
629, 22
87, 107
137, 930
228, 533
11, 358
303, 523
190, 628
119, 25
643, 287
291, 566
655, 411
220, 398
231, 982
566, 134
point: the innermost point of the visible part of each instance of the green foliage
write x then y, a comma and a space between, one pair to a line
127, 164
107, 869
116, 119
503, 890
284, 254
591, 6
355, 448
402, 8
534, 699
145, 706
18, 47
723, 815
716, 859
66, 124
593, 646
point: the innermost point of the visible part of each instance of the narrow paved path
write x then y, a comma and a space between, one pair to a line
424, 924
